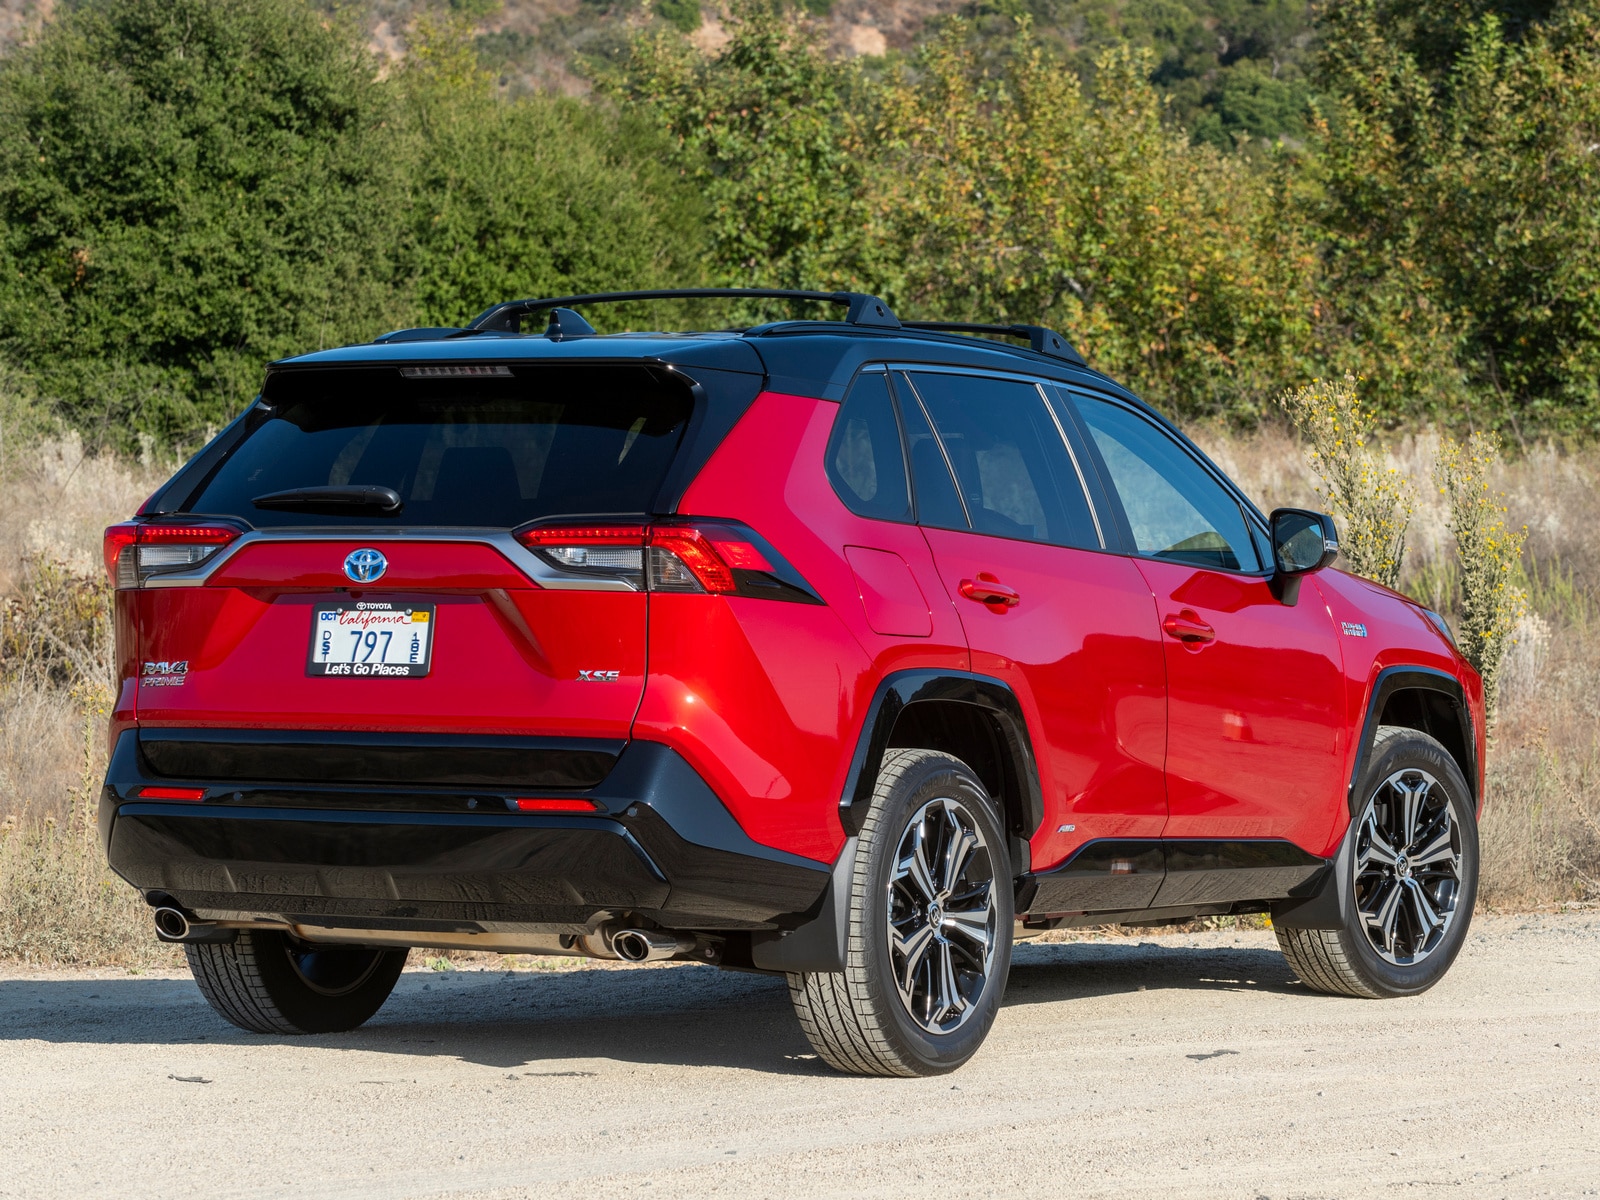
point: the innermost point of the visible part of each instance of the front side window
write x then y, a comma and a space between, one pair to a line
865, 462
1177, 510
1016, 476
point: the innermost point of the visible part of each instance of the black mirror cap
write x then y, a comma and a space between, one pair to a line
1303, 541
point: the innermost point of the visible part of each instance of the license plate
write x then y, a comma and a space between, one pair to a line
371, 639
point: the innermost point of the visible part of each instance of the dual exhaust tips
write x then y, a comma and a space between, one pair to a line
630, 945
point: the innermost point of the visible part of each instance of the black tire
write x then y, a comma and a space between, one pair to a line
1393, 950
856, 1019
267, 982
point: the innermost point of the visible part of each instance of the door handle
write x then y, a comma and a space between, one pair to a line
986, 589
1187, 627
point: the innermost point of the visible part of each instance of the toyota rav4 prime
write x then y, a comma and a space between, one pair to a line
847, 650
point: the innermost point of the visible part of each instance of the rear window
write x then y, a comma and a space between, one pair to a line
485, 451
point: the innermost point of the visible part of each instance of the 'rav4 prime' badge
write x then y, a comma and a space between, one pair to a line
164, 674
599, 676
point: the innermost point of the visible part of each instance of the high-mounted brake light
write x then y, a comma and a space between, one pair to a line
134, 552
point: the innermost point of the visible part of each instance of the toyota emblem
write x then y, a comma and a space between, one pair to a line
365, 565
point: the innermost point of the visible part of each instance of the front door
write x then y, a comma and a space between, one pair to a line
1071, 628
1254, 685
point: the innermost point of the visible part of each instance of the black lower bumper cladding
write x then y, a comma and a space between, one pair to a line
659, 845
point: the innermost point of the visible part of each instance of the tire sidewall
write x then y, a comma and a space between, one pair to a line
936, 776
312, 1011
1407, 750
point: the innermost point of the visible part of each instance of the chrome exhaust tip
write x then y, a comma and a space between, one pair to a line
171, 924
649, 945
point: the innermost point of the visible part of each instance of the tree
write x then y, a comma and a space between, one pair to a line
189, 188
1462, 204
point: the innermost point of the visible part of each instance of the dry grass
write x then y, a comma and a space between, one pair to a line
59, 904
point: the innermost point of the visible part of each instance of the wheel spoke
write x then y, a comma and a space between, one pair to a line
915, 866
1386, 916
1378, 849
1427, 919
1440, 849
1414, 795
962, 843
914, 950
950, 997
972, 924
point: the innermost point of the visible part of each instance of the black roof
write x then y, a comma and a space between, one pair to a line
807, 358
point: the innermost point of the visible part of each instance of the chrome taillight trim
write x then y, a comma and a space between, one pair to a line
523, 559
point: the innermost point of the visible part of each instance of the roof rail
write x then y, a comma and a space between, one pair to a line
1039, 339
862, 309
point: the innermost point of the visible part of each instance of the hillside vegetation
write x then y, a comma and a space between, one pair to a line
189, 188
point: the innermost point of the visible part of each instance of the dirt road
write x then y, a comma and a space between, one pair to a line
1172, 1066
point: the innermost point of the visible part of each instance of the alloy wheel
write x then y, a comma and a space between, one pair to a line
1407, 867
942, 933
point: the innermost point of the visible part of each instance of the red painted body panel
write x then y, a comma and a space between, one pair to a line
506, 653
1082, 652
767, 700
1257, 730
1397, 635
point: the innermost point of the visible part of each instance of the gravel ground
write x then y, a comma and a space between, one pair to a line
1186, 1065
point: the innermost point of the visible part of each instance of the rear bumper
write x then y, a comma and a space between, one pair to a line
660, 846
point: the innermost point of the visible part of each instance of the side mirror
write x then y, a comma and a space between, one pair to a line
1302, 542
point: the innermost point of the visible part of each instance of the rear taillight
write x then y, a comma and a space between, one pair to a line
135, 553
716, 557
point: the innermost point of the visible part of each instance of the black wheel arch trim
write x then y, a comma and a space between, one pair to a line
1395, 679
900, 690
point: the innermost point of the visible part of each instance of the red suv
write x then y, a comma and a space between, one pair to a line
847, 650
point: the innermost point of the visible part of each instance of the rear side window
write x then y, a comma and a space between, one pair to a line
1009, 457
1176, 509
865, 461
496, 452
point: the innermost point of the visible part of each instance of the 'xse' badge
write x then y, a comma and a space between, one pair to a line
599, 676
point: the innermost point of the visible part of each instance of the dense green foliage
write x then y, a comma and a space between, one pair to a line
189, 188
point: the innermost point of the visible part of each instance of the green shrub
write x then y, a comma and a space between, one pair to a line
1371, 502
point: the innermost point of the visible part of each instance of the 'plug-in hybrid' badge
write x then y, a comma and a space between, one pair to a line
365, 565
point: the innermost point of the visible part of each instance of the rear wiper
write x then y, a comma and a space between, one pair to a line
335, 499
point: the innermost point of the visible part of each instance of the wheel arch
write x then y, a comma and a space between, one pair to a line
1427, 700
976, 718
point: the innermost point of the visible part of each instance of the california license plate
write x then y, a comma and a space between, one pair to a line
371, 639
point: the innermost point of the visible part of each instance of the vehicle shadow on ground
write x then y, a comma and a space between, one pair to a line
537, 1022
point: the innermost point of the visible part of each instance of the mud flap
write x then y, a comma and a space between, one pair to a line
818, 945
1323, 907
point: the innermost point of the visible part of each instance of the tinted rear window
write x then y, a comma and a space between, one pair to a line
493, 452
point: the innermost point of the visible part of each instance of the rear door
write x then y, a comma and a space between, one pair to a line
1069, 626
381, 575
